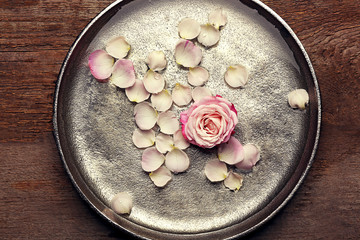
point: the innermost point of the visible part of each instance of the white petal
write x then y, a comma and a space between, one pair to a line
188, 28
187, 53
298, 98
231, 152
181, 94
153, 82
156, 61
123, 74
143, 138
161, 101
118, 47
236, 76
179, 140
199, 93
251, 157
161, 176
145, 116
152, 159
164, 143
137, 92
233, 181
122, 203
100, 64
168, 122
209, 35
177, 160
218, 18
216, 171
197, 76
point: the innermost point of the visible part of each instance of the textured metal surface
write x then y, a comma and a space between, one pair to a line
93, 122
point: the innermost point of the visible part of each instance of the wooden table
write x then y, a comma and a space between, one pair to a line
37, 200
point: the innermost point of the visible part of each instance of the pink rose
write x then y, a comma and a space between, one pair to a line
209, 122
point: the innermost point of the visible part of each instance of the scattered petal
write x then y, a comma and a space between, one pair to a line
145, 116
181, 94
188, 28
197, 76
168, 122
298, 98
233, 181
215, 170
152, 159
199, 93
251, 157
143, 138
156, 61
123, 74
236, 76
209, 35
161, 176
153, 82
118, 47
231, 152
164, 143
162, 101
179, 140
137, 92
177, 160
187, 53
218, 18
122, 203
101, 64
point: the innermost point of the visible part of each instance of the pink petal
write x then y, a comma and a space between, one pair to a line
199, 93
251, 157
298, 98
156, 61
168, 122
236, 76
145, 116
122, 203
162, 101
181, 94
164, 143
143, 138
233, 181
188, 28
231, 152
152, 159
118, 47
179, 140
100, 64
177, 160
197, 76
215, 170
153, 82
218, 18
137, 92
187, 53
161, 176
123, 74
209, 35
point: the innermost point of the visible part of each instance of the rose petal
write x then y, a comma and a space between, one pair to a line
236, 76
100, 64
177, 160
181, 94
152, 159
156, 60
161, 176
145, 116
123, 74
233, 181
199, 93
215, 170
164, 143
143, 138
122, 203
118, 47
188, 28
197, 76
161, 101
298, 98
187, 53
218, 18
137, 92
209, 35
168, 122
153, 82
251, 157
231, 152
179, 140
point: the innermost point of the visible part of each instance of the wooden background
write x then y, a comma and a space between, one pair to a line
37, 200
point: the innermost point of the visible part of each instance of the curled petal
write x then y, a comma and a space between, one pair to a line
123, 74
233, 181
181, 94
177, 160
236, 76
215, 170
101, 64
161, 176
199, 93
168, 122
298, 98
162, 101
153, 82
152, 159
251, 157
187, 53
179, 140
118, 47
137, 92
156, 61
209, 35
188, 28
218, 18
145, 116
164, 143
143, 138
122, 203
197, 76
231, 152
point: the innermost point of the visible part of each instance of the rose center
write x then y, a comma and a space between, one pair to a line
209, 126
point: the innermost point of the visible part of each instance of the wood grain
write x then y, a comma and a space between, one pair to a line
37, 200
